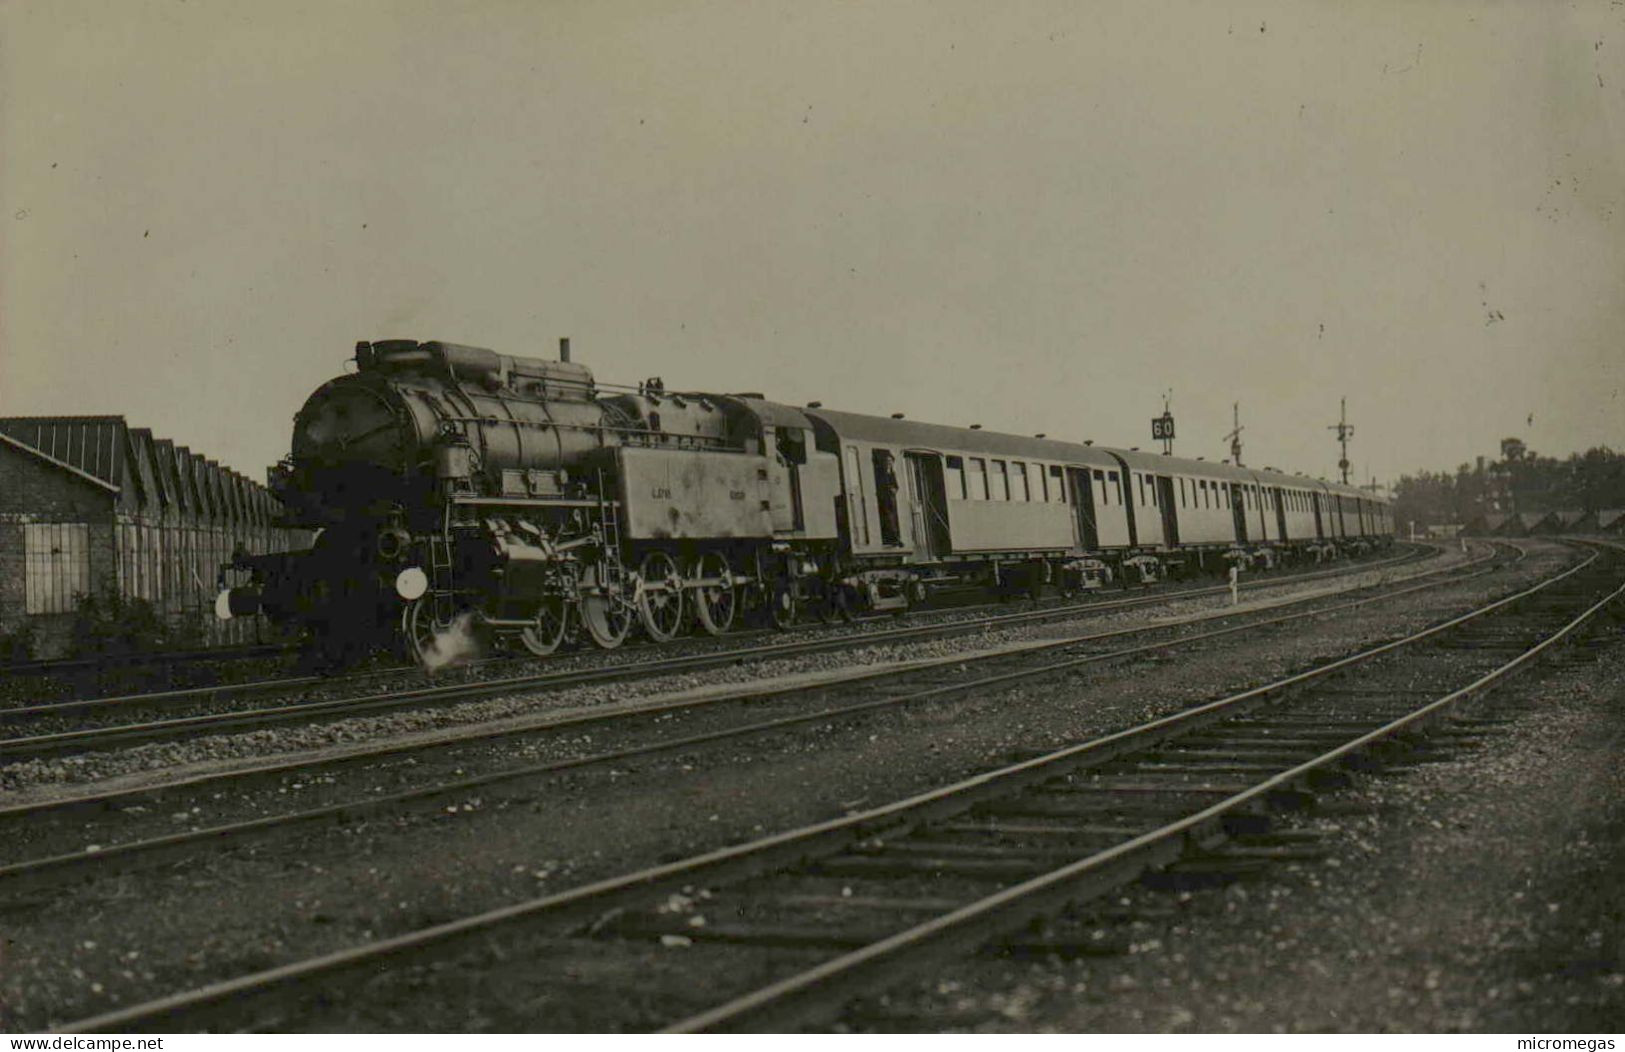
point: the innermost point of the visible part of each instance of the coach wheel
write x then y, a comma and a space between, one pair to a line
607, 606
776, 595
784, 606
846, 603
552, 619
660, 597
715, 600
818, 598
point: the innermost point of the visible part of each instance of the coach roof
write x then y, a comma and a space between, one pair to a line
913, 434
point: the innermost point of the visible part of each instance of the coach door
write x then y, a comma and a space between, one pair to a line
1280, 511
1320, 530
930, 504
1165, 501
1238, 511
1083, 508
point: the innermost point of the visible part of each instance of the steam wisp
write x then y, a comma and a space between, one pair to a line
452, 645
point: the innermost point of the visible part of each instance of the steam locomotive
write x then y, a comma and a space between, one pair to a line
520, 499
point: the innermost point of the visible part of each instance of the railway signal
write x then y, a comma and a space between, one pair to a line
1162, 427
1345, 431
1234, 437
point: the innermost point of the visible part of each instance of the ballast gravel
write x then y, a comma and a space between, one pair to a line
1478, 892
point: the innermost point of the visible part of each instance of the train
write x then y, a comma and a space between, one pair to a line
520, 501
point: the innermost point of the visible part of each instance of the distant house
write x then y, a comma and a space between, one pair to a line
1557, 523
1611, 520
1484, 525
1520, 525
89, 504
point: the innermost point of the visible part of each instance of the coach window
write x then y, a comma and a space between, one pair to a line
977, 473
1041, 490
956, 478
1057, 486
998, 483
1018, 481
1100, 488
1115, 483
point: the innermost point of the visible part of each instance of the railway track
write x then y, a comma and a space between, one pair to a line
145, 659
124, 733
862, 692
1044, 830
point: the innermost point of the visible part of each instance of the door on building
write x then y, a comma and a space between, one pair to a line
930, 508
1083, 508
1170, 519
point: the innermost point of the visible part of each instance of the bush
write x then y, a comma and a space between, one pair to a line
110, 623
18, 644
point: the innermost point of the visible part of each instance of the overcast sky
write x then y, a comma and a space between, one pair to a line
1033, 216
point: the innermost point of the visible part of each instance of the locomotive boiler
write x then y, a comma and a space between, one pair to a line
517, 497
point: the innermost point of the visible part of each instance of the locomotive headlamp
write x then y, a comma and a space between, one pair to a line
411, 583
236, 602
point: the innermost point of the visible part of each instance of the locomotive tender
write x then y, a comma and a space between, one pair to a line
519, 497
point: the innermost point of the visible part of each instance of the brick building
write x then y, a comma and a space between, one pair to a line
89, 505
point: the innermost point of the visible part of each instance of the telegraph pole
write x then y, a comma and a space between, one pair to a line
1345, 431
1234, 437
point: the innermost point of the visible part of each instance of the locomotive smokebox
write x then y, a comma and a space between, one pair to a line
459, 411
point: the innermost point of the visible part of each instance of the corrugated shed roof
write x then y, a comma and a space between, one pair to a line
93, 445
24, 447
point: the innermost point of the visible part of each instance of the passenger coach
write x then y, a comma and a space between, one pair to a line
921, 503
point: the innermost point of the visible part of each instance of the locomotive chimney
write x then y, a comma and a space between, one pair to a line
564, 348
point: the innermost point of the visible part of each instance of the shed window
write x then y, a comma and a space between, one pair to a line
998, 482
956, 478
56, 561
977, 474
